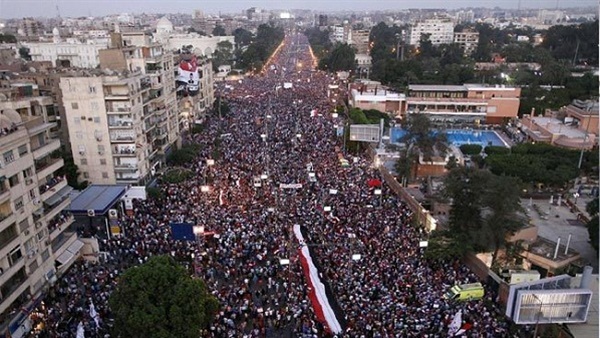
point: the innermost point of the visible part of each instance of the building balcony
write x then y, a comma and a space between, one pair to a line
122, 139
59, 224
117, 110
46, 148
48, 167
6, 219
16, 266
125, 152
4, 194
127, 167
127, 124
51, 210
14, 286
51, 187
10, 136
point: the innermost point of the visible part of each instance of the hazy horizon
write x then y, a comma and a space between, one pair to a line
10, 9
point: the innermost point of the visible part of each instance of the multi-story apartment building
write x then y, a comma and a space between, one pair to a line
468, 40
37, 239
30, 28
120, 126
439, 29
360, 40
341, 33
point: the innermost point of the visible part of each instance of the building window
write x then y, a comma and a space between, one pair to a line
74, 105
32, 194
13, 180
19, 203
104, 175
84, 161
86, 174
79, 134
23, 150
27, 172
92, 89
15, 256
102, 161
97, 119
9, 157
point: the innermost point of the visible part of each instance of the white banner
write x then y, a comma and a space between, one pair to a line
290, 186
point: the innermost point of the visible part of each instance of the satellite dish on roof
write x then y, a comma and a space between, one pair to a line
32, 70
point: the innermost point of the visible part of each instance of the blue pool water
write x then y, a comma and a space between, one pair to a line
459, 137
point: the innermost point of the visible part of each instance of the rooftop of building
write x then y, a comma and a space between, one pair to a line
556, 126
98, 198
457, 88
545, 248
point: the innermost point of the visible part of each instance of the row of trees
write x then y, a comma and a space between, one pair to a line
268, 37
332, 57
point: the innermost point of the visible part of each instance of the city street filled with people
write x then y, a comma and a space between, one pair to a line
276, 155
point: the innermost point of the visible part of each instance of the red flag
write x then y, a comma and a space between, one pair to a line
372, 183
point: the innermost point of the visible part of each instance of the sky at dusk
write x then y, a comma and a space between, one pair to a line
35, 8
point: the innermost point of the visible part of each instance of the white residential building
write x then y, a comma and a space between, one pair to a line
440, 30
71, 52
37, 239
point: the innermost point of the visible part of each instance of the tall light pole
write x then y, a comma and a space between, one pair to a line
589, 116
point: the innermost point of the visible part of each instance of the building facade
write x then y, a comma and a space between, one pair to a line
71, 52
37, 238
469, 103
440, 31
467, 40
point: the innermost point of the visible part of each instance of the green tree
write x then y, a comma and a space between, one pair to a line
242, 37
444, 245
219, 31
485, 207
592, 225
341, 58
159, 300
223, 54
419, 134
24, 53
470, 149
7, 38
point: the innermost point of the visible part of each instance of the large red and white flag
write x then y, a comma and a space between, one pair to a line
326, 308
455, 325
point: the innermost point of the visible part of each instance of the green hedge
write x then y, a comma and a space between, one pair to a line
470, 149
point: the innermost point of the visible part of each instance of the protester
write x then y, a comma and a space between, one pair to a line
273, 135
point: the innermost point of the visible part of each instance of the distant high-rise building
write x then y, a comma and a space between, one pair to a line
467, 40
323, 20
360, 40
439, 29
29, 27
465, 17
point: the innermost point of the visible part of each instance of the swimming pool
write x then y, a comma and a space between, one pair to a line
459, 137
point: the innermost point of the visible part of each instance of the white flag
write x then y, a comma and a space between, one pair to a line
221, 202
94, 314
80, 330
455, 325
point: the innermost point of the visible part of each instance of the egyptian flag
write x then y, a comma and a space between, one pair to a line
464, 328
321, 297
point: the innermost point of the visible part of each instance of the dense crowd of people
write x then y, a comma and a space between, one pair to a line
279, 130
